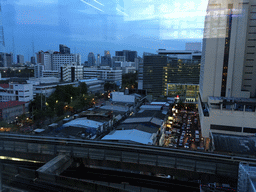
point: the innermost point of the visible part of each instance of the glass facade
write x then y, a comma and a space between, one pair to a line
186, 92
171, 76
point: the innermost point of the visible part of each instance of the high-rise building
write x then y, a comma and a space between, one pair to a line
171, 73
33, 60
38, 70
20, 58
227, 78
64, 49
91, 59
107, 53
129, 55
71, 72
62, 59
106, 61
9, 59
117, 61
45, 58
98, 60
108, 75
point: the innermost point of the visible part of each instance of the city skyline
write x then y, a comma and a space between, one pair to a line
116, 26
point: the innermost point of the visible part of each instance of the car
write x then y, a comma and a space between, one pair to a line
196, 132
186, 145
197, 138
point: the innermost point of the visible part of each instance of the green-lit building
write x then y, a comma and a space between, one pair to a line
171, 73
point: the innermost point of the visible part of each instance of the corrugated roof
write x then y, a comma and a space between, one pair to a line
130, 135
83, 123
115, 108
151, 107
8, 104
5, 86
243, 145
139, 126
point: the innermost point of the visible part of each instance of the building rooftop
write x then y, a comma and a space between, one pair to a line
8, 104
151, 107
139, 126
4, 86
178, 52
242, 145
132, 135
151, 120
149, 113
114, 108
83, 123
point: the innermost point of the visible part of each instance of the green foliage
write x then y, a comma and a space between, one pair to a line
36, 103
110, 86
130, 80
83, 88
59, 108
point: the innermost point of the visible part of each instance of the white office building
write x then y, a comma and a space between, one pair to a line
16, 92
38, 70
71, 72
45, 58
227, 78
59, 60
107, 74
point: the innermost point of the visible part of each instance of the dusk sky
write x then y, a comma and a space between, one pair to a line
97, 25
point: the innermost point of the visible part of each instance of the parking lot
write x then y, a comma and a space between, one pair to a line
183, 129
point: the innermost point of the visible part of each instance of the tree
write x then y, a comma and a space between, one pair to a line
83, 88
59, 108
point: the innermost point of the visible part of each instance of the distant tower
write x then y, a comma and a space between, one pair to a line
91, 59
2, 43
13, 49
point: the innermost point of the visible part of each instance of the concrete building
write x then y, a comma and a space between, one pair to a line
108, 75
227, 78
44, 58
64, 49
11, 109
167, 67
128, 70
71, 72
59, 60
50, 73
129, 55
106, 61
117, 61
98, 60
20, 59
9, 59
94, 85
16, 92
47, 85
38, 70
91, 59
33, 60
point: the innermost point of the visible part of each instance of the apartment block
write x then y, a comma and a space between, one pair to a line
227, 97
